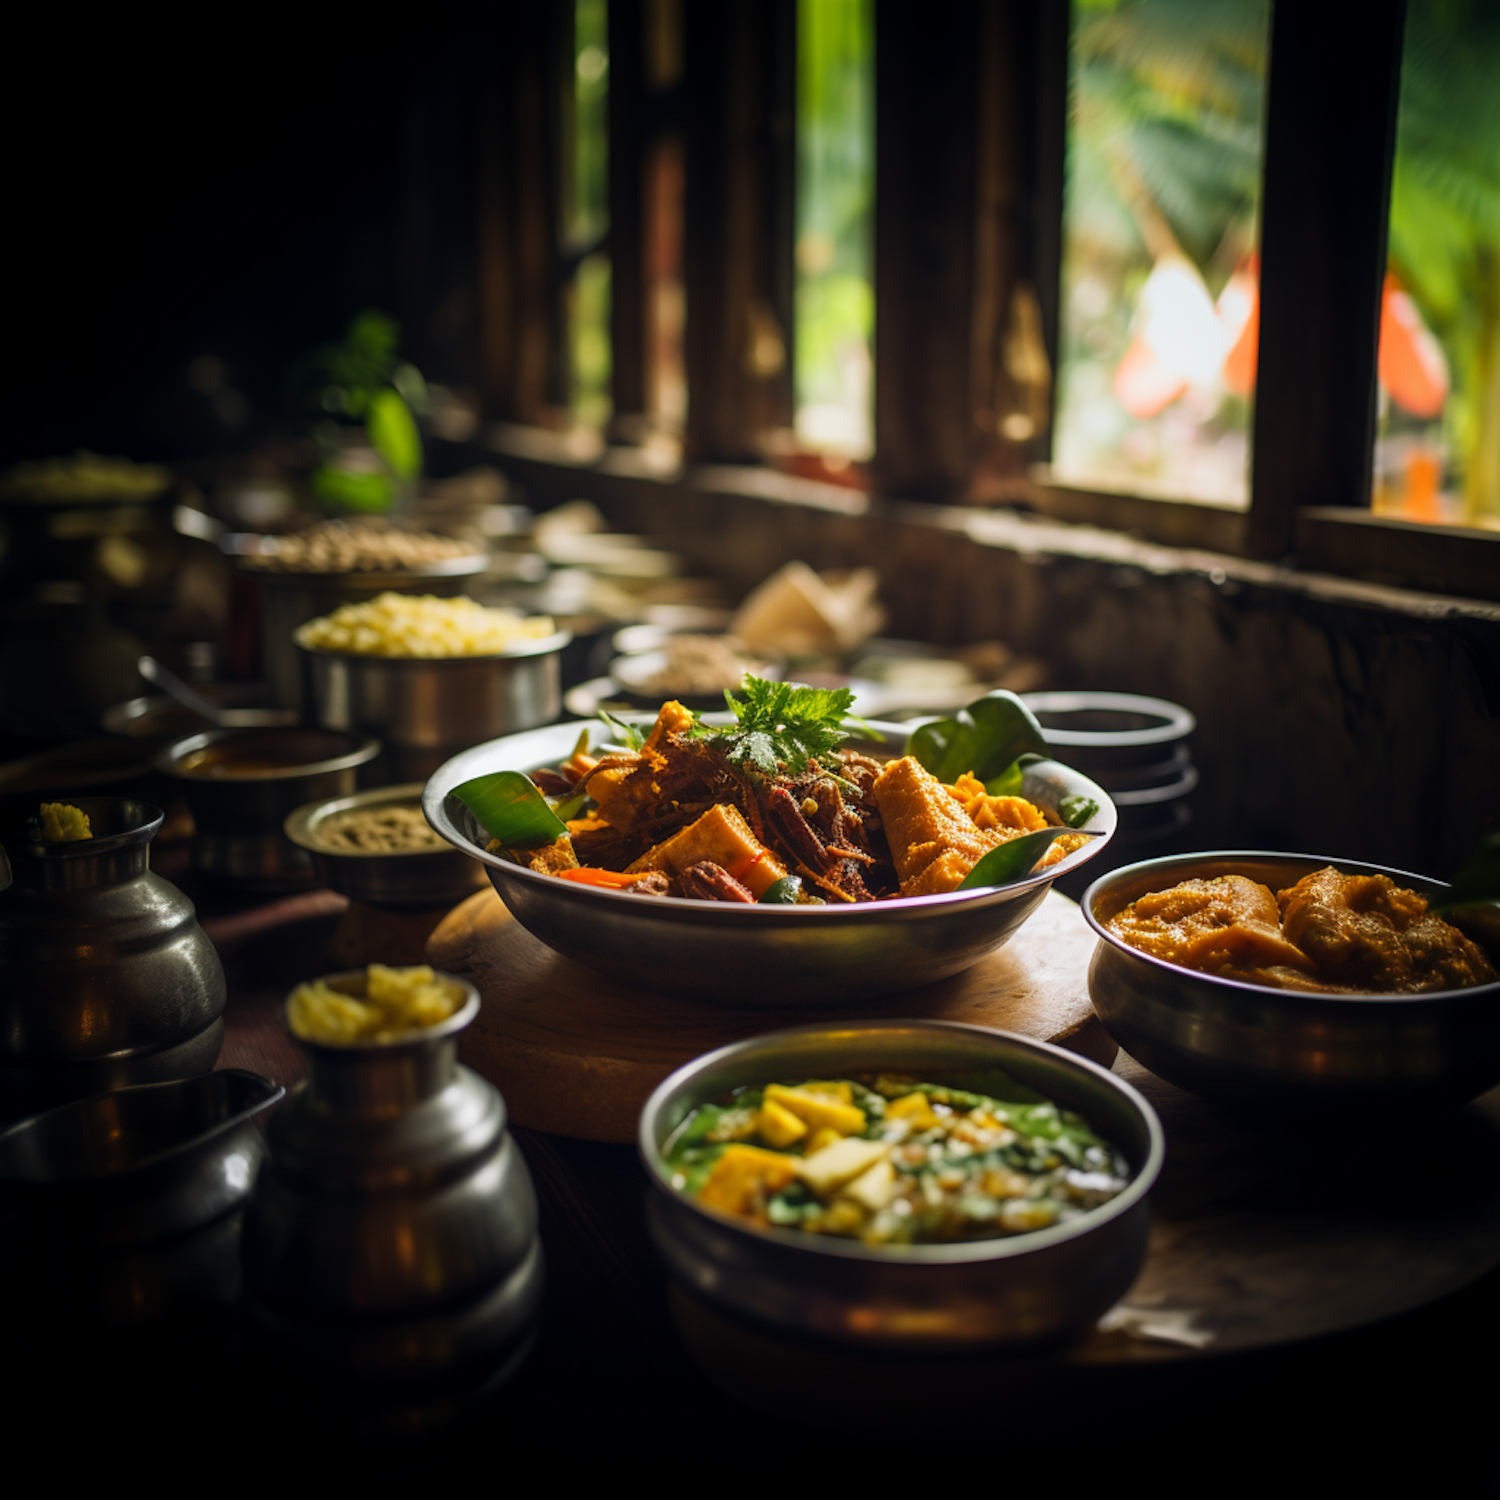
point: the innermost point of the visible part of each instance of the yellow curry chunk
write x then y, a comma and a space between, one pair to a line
744, 1177
831, 1168
63, 823
1228, 925
778, 1124
723, 837
395, 1002
986, 811
818, 1110
914, 1109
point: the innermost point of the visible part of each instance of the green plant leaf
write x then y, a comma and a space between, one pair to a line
1075, 811
631, 736
1478, 882
1011, 861
511, 809
393, 433
986, 738
340, 490
782, 892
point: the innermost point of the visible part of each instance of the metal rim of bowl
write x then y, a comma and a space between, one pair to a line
265, 1092
1181, 867
543, 646
301, 824
149, 826
364, 751
467, 1010
130, 718
437, 794
103, 760
467, 565
1143, 1177
1177, 723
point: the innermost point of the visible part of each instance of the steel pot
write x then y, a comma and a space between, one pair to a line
106, 978
392, 1236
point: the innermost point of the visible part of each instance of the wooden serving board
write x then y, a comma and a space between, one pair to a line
577, 1054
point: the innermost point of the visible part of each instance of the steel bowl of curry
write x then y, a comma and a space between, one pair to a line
679, 870
376, 846
240, 786
1295, 982
916, 1185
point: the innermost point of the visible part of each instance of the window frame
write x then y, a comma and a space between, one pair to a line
969, 205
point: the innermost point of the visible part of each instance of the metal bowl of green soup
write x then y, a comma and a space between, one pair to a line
922, 1186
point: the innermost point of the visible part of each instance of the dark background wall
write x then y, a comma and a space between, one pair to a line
168, 198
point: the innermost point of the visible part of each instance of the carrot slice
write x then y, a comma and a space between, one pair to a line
611, 879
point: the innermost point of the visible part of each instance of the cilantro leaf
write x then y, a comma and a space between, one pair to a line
784, 725
632, 736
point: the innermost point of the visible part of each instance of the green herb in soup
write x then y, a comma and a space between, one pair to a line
894, 1160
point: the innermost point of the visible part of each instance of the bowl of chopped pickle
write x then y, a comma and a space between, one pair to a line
1296, 981
908, 1184
376, 846
780, 855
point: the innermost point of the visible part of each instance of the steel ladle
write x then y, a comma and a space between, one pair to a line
170, 683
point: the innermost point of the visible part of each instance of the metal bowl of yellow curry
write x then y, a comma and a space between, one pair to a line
781, 856
1296, 982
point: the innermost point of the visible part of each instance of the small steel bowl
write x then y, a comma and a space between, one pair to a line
135, 1164
427, 708
409, 878
237, 820
122, 1211
1252, 1045
1021, 1292
762, 955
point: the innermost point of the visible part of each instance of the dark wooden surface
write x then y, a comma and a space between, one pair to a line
576, 1054
612, 1386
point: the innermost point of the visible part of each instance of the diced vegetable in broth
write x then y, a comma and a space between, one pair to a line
892, 1160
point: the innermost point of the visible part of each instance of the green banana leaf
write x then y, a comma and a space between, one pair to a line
988, 738
1011, 861
511, 809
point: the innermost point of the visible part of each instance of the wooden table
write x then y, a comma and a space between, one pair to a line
1260, 1236
1289, 1313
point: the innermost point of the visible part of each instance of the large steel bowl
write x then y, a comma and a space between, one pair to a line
1253, 1045
427, 708
761, 955
1019, 1292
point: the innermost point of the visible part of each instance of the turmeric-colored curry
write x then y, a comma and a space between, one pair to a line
1343, 934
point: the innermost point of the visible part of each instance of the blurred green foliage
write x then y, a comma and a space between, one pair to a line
835, 302
360, 381
587, 218
1445, 218
1166, 105
1167, 97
